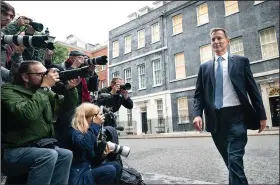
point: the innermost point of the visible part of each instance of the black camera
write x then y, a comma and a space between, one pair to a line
126, 86
73, 73
28, 41
36, 26
100, 60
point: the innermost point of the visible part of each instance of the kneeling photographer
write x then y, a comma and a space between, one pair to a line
89, 165
117, 95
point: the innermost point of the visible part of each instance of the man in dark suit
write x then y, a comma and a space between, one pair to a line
222, 90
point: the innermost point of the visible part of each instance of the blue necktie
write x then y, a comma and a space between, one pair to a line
219, 85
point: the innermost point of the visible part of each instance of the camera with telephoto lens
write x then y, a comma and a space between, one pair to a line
118, 149
71, 74
100, 60
126, 86
102, 140
40, 41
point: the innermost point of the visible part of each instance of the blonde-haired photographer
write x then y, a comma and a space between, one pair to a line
89, 165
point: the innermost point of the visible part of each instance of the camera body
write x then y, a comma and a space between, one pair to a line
126, 86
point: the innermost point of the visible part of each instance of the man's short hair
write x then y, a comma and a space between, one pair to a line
219, 29
5, 7
23, 68
113, 81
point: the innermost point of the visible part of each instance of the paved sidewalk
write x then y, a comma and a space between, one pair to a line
195, 134
151, 178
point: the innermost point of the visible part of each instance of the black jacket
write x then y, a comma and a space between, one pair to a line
243, 82
115, 101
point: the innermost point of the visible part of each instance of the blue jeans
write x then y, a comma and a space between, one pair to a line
117, 167
106, 173
43, 165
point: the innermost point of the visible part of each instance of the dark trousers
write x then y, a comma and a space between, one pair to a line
230, 140
99, 173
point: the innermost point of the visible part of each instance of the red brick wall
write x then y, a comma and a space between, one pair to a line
102, 74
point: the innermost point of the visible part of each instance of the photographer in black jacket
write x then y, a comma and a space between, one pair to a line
117, 98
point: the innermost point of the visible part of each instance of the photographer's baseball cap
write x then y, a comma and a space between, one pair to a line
76, 53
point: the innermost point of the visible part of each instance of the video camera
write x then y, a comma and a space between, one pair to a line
40, 41
100, 60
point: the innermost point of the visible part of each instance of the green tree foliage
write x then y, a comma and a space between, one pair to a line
60, 53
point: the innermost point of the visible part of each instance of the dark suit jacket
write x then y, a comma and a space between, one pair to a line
243, 82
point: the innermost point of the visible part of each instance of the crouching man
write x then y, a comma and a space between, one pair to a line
27, 111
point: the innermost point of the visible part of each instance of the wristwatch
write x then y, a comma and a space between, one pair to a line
46, 89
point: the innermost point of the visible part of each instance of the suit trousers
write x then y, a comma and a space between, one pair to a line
230, 140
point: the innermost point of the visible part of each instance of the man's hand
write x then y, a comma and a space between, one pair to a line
78, 61
50, 79
115, 88
124, 93
197, 123
17, 49
22, 21
48, 54
72, 83
262, 125
30, 30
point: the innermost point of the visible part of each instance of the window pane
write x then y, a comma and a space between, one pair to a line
236, 46
206, 53
231, 7
115, 49
269, 44
177, 24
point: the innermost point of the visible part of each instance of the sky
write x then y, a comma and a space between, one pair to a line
90, 21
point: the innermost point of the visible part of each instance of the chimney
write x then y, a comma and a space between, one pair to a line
132, 16
157, 4
144, 10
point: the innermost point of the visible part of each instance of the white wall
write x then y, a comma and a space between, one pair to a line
151, 111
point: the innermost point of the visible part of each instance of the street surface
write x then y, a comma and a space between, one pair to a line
197, 161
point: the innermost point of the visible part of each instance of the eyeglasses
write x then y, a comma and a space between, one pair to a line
38, 74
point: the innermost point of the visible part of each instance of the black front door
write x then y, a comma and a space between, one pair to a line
144, 122
275, 110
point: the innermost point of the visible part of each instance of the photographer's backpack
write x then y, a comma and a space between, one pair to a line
131, 176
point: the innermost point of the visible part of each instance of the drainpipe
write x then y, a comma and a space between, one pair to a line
164, 43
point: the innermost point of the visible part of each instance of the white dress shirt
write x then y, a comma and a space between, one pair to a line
229, 95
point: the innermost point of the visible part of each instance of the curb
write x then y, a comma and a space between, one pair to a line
190, 135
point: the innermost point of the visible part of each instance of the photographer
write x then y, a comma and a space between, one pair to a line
76, 60
9, 28
27, 125
88, 166
11, 55
118, 97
